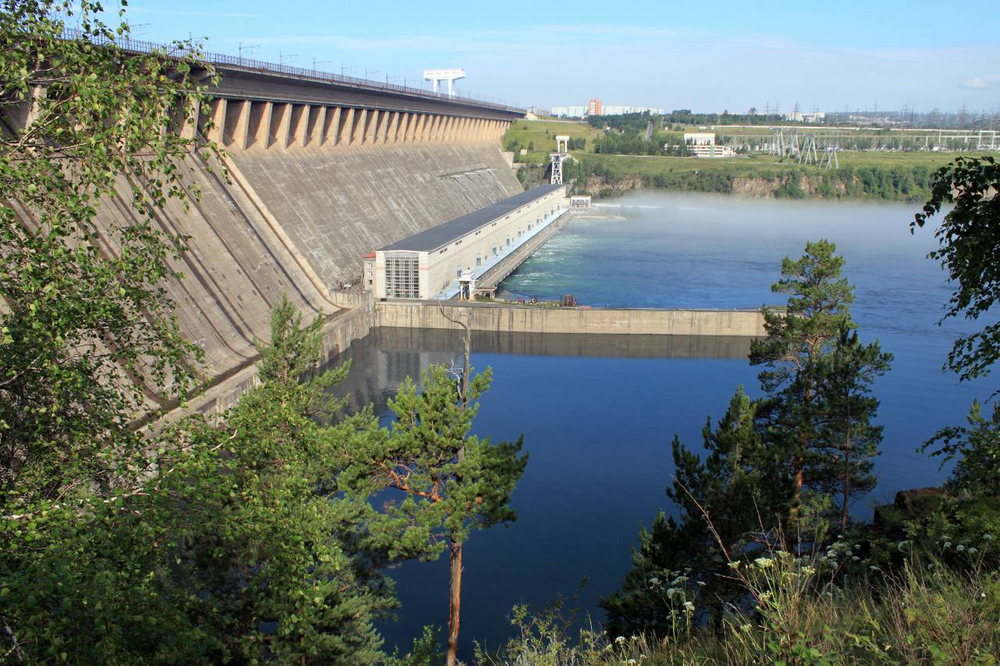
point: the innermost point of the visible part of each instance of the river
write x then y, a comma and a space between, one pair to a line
598, 415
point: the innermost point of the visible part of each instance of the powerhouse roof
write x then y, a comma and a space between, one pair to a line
450, 231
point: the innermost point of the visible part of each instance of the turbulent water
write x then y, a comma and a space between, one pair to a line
598, 416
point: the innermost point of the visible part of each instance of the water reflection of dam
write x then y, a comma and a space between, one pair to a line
387, 356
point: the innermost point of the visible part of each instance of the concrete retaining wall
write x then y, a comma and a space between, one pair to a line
529, 319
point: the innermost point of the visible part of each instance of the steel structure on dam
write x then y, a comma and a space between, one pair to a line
321, 171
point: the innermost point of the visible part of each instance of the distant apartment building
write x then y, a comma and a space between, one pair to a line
595, 108
702, 144
622, 110
809, 117
569, 111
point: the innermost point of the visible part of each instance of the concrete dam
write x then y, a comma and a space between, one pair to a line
321, 172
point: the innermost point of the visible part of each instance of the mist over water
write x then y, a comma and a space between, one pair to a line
598, 425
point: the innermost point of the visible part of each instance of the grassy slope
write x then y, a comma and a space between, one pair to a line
543, 133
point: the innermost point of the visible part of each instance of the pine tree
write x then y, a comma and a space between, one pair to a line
451, 482
797, 343
739, 488
850, 438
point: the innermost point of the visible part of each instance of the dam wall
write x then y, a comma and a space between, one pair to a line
506, 318
336, 205
317, 172
234, 268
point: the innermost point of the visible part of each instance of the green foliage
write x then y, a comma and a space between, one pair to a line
927, 616
548, 638
615, 143
795, 354
976, 447
849, 436
426, 650
236, 546
444, 495
260, 531
790, 188
769, 464
89, 343
885, 176
969, 240
739, 487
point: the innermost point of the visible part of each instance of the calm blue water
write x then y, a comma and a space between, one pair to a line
598, 425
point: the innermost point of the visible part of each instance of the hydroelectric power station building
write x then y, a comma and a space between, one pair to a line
448, 260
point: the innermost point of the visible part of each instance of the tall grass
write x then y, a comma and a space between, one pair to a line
795, 614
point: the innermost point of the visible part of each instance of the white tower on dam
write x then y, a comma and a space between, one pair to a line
449, 75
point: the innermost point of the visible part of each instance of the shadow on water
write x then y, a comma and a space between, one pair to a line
387, 356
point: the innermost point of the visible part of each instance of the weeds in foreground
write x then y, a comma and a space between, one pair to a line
797, 609
926, 614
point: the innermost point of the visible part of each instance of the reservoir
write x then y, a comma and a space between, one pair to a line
598, 413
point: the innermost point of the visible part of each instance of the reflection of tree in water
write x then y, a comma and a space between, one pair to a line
379, 366
384, 358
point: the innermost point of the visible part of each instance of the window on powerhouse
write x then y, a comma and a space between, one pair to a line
402, 276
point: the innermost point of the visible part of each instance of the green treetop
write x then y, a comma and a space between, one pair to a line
450, 482
739, 488
797, 342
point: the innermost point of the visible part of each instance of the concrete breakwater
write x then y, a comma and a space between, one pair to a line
618, 332
507, 318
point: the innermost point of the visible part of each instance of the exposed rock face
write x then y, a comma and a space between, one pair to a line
756, 187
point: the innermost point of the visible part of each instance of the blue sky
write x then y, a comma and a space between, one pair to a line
703, 56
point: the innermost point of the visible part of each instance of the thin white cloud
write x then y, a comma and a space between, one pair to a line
982, 82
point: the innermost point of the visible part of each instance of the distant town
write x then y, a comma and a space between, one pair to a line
963, 118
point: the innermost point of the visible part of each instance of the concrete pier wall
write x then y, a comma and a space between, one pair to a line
504, 318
